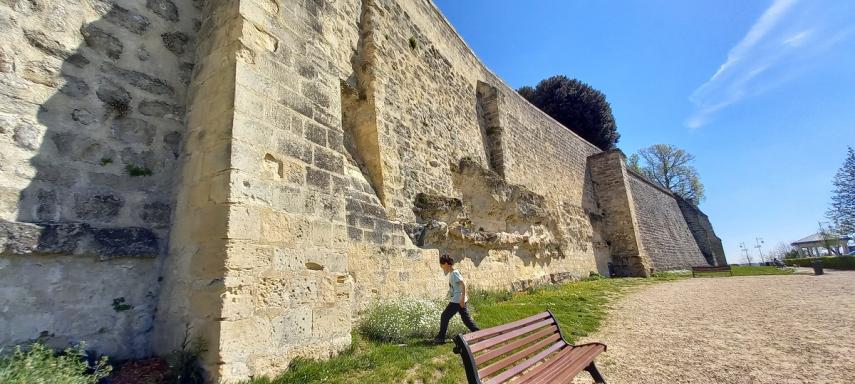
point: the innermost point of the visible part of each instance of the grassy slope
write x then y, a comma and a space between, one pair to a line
579, 307
744, 270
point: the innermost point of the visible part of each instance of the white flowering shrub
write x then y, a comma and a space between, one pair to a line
407, 318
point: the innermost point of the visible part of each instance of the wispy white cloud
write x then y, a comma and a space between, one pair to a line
781, 40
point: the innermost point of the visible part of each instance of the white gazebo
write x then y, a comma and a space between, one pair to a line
814, 245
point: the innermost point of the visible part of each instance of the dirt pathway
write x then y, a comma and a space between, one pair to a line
758, 329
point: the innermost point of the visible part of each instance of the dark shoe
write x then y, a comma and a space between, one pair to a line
437, 341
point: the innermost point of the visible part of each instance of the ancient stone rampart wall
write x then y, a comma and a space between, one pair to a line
329, 153
702, 230
92, 98
664, 232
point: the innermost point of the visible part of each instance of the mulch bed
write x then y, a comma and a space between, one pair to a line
147, 371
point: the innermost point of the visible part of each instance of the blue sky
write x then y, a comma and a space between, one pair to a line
761, 92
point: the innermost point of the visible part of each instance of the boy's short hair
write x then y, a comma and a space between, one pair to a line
445, 259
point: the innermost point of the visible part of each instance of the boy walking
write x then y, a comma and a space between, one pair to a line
457, 299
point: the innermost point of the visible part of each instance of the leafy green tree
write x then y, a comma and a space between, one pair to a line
842, 210
578, 106
527, 92
671, 168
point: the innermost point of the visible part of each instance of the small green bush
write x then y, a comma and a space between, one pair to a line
39, 364
833, 262
408, 318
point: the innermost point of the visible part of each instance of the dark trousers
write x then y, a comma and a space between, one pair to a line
448, 313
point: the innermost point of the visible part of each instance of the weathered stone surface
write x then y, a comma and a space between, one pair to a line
42, 42
98, 206
27, 136
56, 176
328, 160
41, 73
113, 94
140, 80
82, 116
161, 109
664, 232
127, 19
163, 8
172, 141
133, 131
101, 41
64, 142
175, 42
125, 242
702, 230
186, 72
47, 208
143, 54
7, 61
59, 152
77, 60
142, 159
74, 86
318, 179
17, 239
7, 123
156, 213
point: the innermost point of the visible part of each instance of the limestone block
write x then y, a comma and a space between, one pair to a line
282, 228
237, 306
326, 260
331, 321
295, 327
288, 259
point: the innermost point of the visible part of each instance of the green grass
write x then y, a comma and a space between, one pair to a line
745, 270
579, 307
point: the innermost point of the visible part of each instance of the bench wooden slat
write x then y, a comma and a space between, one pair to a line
531, 350
510, 335
527, 364
558, 363
572, 364
494, 353
505, 362
470, 337
547, 365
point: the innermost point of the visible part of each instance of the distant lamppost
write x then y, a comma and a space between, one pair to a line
759, 242
745, 251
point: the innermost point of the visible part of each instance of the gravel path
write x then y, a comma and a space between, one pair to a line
757, 329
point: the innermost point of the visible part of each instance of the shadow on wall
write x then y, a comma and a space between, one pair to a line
102, 152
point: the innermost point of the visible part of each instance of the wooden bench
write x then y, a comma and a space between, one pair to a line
723, 268
531, 350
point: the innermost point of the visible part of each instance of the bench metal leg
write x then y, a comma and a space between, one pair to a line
595, 373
